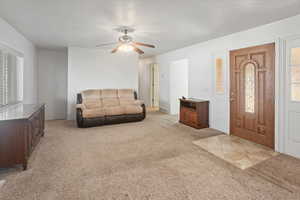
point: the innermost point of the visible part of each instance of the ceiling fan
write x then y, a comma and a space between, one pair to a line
126, 43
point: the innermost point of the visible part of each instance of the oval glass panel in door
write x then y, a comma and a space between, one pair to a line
249, 88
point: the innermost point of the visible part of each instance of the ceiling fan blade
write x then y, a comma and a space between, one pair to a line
115, 49
137, 50
143, 44
106, 44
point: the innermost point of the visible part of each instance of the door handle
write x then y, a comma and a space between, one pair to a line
231, 99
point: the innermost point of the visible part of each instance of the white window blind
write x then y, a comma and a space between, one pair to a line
11, 77
3, 80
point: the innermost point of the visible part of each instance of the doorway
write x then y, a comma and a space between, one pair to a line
178, 83
252, 93
154, 87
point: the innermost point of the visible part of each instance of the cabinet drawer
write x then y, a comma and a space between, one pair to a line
193, 117
184, 114
188, 115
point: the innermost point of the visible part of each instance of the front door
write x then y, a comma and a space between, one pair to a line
252, 89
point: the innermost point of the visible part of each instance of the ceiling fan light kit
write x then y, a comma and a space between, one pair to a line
125, 42
125, 47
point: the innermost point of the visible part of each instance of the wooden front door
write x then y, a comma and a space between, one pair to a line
252, 89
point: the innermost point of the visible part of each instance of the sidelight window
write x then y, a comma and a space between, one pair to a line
295, 74
250, 88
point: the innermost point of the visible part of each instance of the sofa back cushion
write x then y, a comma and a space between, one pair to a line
107, 97
124, 101
109, 93
91, 94
110, 102
126, 94
92, 103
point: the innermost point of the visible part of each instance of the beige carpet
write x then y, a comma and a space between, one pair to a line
235, 150
150, 160
2, 183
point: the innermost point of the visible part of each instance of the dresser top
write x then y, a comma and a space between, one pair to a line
193, 100
18, 111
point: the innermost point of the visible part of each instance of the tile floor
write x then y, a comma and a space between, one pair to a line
237, 151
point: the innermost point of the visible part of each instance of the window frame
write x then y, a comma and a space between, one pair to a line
5, 52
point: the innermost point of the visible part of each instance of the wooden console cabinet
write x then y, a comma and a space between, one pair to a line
194, 112
21, 127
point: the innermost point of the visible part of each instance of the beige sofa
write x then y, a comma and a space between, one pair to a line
108, 106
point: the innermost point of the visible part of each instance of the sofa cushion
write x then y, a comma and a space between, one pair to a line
91, 113
133, 109
109, 93
91, 94
114, 110
92, 103
124, 101
110, 102
130, 102
126, 93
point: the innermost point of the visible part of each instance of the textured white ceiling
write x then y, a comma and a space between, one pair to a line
169, 24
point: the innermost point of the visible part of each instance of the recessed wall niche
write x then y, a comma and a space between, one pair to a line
219, 76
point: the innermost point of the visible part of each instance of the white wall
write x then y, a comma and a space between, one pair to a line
13, 39
52, 81
179, 83
144, 79
95, 68
200, 62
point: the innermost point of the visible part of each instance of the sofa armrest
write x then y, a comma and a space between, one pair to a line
80, 106
138, 102
79, 98
79, 116
144, 110
135, 95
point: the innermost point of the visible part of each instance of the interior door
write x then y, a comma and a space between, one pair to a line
252, 90
154, 78
292, 128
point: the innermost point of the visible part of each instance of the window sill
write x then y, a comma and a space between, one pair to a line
4, 107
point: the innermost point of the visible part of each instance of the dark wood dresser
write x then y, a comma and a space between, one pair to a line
194, 112
21, 127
